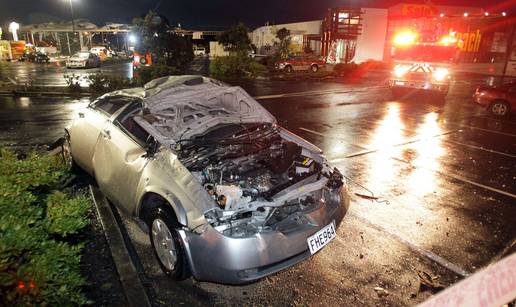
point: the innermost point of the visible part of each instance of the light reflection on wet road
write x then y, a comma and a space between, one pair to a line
447, 169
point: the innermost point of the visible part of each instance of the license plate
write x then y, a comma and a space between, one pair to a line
321, 238
399, 83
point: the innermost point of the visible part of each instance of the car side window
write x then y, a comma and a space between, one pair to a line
127, 123
109, 105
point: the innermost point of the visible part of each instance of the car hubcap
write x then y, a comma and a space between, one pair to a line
499, 109
164, 244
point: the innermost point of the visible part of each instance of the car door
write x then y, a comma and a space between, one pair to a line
120, 157
85, 131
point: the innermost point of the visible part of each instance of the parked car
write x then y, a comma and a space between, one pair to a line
102, 51
500, 100
299, 62
199, 51
41, 58
36, 57
141, 59
225, 193
83, 59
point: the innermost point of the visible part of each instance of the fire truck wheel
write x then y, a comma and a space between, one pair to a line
500, 108
314, 68
288, 69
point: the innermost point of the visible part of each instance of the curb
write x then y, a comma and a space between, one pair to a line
133, 288
44, 94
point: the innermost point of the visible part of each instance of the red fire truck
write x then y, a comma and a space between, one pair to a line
422, 64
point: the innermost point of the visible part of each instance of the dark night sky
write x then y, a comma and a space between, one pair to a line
203, 14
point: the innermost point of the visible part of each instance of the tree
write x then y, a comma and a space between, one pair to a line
283, 35
156, 36
236, 39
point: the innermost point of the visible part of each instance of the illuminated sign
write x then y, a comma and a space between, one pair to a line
469, 42
418, 10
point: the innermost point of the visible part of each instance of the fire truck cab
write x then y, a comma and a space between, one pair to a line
422, 64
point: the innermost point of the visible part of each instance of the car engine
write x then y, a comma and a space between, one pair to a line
248, 170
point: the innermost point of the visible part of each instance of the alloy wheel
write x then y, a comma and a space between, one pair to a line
164, 244
499, 109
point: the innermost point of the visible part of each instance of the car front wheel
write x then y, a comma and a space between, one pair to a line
288, 69
314, 68
499, 108
167, 244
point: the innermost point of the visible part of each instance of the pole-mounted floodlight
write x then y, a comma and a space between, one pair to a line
73, 17
13, 28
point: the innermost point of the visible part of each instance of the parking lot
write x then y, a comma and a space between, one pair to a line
442, 176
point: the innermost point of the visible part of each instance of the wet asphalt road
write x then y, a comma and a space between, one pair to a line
447, 170
52, 74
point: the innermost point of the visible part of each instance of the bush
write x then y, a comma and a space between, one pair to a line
148, 73
74, 82
344, 68
235, 66
101, 83
37, 264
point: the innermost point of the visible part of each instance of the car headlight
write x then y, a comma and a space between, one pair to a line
400, 70
440, 74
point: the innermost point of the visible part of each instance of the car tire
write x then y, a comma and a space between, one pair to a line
314, 68
166, 243
288, 69
66, 154
500, 108
143, 61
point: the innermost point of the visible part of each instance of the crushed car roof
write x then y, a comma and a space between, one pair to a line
181, 107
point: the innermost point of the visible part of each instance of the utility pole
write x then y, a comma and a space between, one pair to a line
73, 18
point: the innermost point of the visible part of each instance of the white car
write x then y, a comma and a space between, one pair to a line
199, 51
99, 50
83, 59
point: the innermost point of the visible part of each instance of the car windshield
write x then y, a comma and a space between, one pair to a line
82, 55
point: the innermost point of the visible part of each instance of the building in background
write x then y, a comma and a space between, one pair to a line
361, 34
264, 38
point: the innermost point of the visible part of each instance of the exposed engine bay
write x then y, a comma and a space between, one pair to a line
258, 180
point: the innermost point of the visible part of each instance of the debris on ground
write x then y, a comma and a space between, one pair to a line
372, 198
381, 292
429, 282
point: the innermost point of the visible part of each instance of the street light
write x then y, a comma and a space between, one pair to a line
132, 39
13, 28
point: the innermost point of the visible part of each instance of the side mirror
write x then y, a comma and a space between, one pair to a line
151, 147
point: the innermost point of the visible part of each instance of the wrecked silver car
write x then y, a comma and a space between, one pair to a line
225, 193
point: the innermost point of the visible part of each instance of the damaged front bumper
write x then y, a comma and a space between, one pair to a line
219, 258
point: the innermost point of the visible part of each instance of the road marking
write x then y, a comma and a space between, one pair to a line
367, 151
448, 121
456, 177
316, 93
460, 178
447, 141
317, 133
428, 254
487, 130
482, 148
